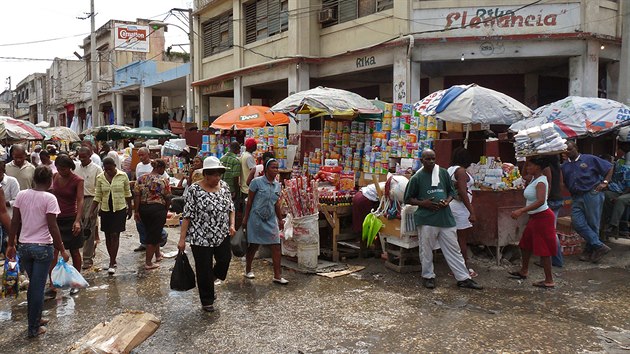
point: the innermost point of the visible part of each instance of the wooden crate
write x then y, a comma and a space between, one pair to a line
402, 260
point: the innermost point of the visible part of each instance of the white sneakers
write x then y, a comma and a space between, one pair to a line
250, 275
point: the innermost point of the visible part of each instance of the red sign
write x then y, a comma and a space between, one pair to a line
130, 32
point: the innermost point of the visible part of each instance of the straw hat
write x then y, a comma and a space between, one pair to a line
213, 163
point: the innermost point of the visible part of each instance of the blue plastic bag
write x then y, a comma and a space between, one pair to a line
65, 276
11, 278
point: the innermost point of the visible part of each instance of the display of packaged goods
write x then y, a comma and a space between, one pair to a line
540, 140
492, 174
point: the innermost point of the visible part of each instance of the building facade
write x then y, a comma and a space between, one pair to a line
7, 108
400, 51
66, 79
30, 98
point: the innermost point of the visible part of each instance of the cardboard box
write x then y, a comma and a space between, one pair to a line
366, 178
390, 227
564, 226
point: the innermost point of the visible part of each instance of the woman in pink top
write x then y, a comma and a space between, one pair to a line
35, 215
68, 188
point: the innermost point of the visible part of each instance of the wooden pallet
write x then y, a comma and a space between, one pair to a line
402, 260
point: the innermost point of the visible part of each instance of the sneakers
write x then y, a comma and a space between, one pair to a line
599, 253
140, 248
74, 291
469, 284
428, 283
249, 275
586, 255
280, 281
111, 270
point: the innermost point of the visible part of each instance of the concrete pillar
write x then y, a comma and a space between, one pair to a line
436, 84
242, 94
299, 80
612, 81
120, 112
146, 107
204, 112
584, 71
624, 65
401, 76
414, 81
531, 90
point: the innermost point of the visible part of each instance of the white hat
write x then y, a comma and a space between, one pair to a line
213, 163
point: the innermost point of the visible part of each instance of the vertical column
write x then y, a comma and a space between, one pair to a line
624, 68
299, 80
584, 71
401, 76
120, 112
242, 94
414, 81
531, 90
204, 105
146, 107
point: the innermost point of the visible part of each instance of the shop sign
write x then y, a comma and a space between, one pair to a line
499, 20
365, 61
132, 38
22, 105
224, 85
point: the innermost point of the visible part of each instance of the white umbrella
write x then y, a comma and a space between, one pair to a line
473, 104
325, 100
577, 116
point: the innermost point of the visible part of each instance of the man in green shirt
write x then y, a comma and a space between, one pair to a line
233, 164
431, 190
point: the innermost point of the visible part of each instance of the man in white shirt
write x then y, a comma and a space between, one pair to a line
19, 168
86, 169
35, 155
10, 186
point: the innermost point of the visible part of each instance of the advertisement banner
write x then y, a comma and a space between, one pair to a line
497, 20
131, 38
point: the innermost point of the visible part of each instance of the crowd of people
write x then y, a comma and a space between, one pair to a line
50, 202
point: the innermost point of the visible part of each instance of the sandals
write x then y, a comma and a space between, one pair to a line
517, 275
542, 284
151, 267
280, 281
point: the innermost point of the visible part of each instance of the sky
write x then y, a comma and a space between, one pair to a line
36, 20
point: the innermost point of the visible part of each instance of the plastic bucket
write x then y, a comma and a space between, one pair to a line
307, 255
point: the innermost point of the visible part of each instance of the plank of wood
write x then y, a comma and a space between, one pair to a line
120, 335
351, 269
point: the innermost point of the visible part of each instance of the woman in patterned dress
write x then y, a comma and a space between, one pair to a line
208, 220
263, 220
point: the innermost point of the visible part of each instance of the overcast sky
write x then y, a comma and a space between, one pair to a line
36, 20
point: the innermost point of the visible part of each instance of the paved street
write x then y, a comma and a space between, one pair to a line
372, 311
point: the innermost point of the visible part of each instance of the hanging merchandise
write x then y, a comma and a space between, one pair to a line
538, 140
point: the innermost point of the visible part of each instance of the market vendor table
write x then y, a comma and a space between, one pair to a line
495, 226
333, 213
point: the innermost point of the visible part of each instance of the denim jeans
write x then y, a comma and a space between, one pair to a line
35, 259
558, 259
143, 234
586, 215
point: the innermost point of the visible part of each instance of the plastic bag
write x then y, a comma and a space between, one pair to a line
10, 278
287, 232
306, 229
239, 242
183, 276
66, 276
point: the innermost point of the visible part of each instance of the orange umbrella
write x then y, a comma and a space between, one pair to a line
249, 117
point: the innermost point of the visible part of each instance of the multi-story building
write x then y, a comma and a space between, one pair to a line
6, 103
112, 40
402, 50
66, 80
30, 98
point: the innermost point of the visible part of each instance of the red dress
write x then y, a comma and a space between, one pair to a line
539, 236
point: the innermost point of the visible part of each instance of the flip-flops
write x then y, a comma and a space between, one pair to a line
542, 284
517, 275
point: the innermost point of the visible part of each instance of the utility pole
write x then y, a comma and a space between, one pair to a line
624, 70
93, 63
190, 97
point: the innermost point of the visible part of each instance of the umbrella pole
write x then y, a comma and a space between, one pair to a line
467, 135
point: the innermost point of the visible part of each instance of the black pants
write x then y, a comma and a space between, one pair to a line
206, 273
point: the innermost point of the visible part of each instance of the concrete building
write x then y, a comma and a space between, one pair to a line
114, 45
30, 98
7, 108
66, 79
151, 93
400, 51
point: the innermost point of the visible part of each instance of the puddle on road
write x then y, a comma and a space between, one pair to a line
5, 316
65, 306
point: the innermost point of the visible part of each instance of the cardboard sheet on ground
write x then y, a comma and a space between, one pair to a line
324, 268
351, 269
120, 335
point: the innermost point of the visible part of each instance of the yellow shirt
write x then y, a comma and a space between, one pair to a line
119, 189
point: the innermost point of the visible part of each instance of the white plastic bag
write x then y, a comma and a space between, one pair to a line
66, 276
287, 233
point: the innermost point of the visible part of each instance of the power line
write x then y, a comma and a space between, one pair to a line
42, 40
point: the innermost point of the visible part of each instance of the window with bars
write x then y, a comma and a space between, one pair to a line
347, 10
218, 35
265, 18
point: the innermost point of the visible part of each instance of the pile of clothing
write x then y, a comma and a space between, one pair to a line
538, 140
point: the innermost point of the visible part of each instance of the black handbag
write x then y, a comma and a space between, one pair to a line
183, 276
239, 242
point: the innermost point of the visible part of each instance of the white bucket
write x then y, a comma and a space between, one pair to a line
307, 255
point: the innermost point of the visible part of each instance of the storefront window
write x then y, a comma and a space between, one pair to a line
265, 18
339, 11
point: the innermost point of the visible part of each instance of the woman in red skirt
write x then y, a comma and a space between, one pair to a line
539, 237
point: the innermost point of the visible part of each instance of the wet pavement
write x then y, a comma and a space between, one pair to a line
371, 311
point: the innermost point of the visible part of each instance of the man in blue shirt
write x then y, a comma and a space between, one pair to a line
586, 176
618, 194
